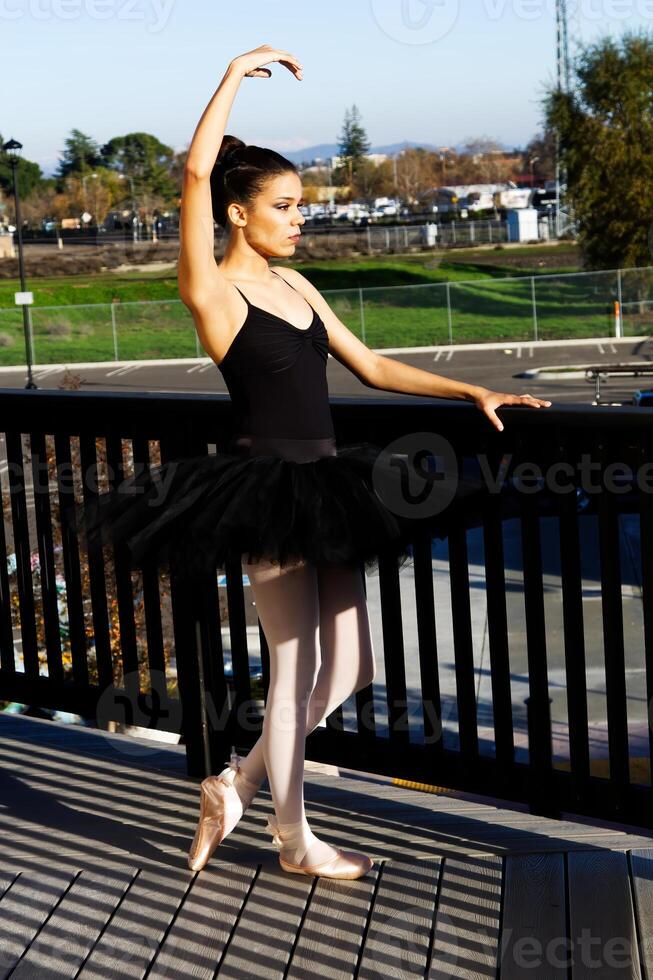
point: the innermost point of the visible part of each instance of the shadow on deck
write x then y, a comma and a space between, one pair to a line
95, 830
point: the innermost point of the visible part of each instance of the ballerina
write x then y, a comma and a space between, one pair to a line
304, 513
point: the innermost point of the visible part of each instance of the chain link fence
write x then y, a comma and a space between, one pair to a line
563, 306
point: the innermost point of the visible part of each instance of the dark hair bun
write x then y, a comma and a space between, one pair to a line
240, 172
229, 149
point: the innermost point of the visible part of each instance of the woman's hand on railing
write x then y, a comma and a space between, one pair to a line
250, 64
490, 400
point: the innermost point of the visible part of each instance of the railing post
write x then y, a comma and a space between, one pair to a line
542, 801
449, 318
534, 307
190, 673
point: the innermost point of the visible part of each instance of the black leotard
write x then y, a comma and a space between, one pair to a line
276, 376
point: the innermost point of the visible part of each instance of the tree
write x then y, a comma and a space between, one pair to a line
148, 162
416, 173
28, 176
353, 143
605, 126
81, 155
373, 180
543, 146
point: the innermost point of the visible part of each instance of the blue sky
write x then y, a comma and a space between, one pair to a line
436, 71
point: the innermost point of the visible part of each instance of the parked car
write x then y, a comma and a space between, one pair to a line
643, 397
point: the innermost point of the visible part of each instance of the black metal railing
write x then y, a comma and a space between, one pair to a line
81, 632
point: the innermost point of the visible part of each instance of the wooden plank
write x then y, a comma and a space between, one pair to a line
466, 934
398, 937
24, 907
152, 902
265, 933
641, 863
65, 940
328, 944
534, 931
602, 920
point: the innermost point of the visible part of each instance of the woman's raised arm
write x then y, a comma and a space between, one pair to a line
198, 275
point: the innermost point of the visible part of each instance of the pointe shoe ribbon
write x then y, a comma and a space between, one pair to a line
346, 865
273, 828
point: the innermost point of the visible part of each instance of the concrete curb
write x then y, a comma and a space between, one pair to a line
504, 345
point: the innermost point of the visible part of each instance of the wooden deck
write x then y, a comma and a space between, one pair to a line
95, 829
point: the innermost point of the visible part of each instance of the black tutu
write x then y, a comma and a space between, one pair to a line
347, 508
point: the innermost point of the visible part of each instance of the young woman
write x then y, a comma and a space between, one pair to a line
302, 512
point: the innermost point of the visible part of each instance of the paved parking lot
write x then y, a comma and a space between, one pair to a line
503, 367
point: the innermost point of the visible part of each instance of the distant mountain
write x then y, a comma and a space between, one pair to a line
323, 151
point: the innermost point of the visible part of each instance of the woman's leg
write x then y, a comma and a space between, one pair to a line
347, 658
287, 604
348, 663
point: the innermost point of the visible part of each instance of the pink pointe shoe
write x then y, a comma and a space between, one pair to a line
346, 864
220, 810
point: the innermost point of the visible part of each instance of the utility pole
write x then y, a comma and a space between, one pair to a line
563, 74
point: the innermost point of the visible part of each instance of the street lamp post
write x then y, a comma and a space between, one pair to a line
134, 214
532, 161
12, 149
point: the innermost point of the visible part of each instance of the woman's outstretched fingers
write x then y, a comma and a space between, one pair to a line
488, 401
252, 63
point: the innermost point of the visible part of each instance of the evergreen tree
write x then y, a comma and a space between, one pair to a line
353, 144
81, 155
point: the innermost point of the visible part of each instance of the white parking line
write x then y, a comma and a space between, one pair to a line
530, 351
613, 349
44, 374
438, 355
518, 350
195, 367
206, 367
123, 370
601, 348
449, 355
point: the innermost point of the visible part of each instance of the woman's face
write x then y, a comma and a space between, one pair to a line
274, 220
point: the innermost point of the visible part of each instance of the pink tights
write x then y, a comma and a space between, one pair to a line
317, 630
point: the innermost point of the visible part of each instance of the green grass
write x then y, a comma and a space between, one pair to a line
495, 306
